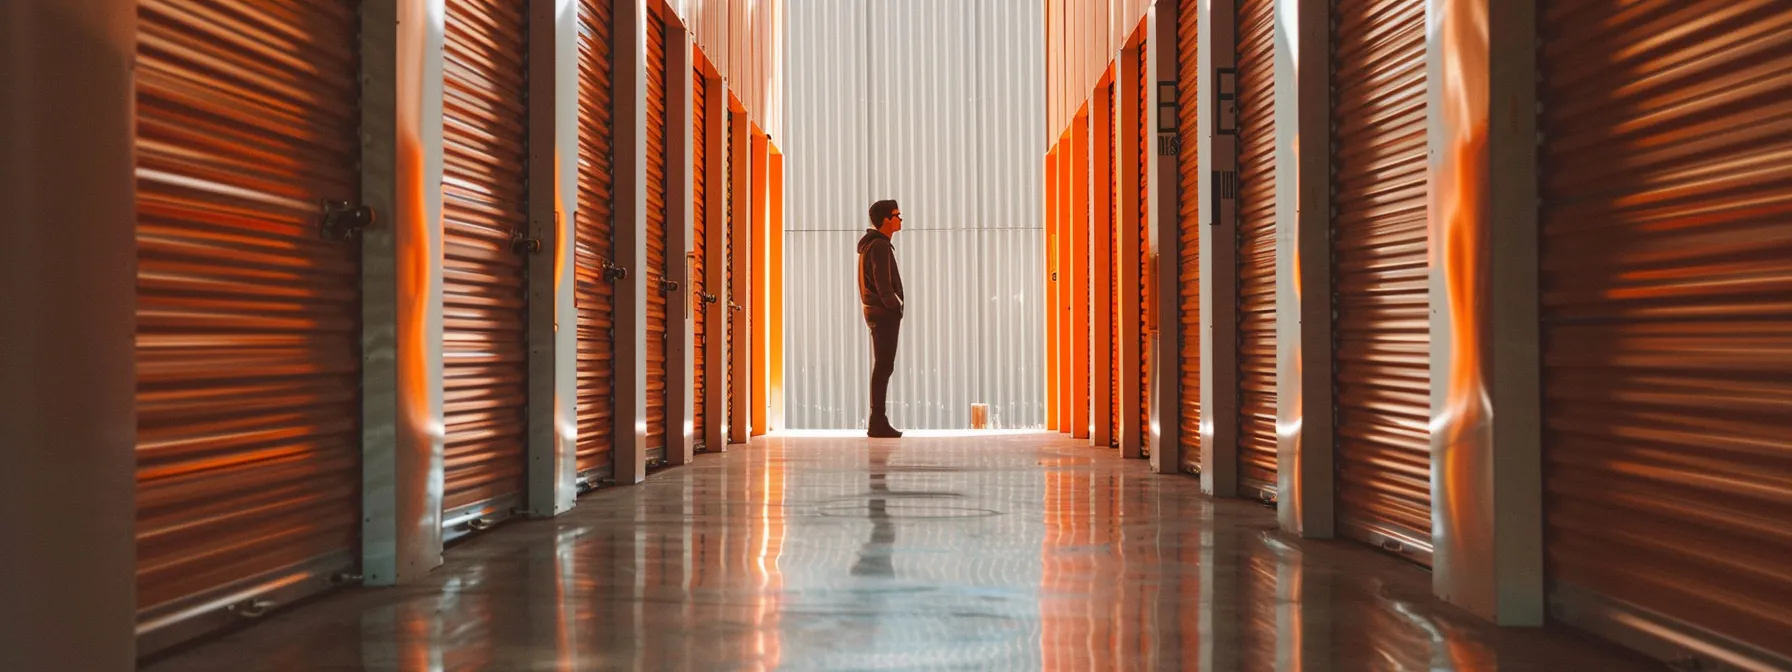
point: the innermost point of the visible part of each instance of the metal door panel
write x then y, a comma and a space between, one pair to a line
656, 235
1189, 226
248, 320
1257, 247
484, 208
699, 249
1665, 267
595, 246
1381, 279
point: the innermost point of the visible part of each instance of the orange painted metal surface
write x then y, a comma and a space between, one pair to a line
1066, 284
248, 321
1189, 238
699, 250
1081, 264
1257, 246
758, 318
657, 270
484, 207
1144, 136
775, 290
1114, 293
1665, 272
1050, 300
596, 243
738, 215
1380, 278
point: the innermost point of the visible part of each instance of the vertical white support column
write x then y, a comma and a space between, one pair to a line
1486, 436
740, 293
628, 49
1218, 147
68, 416
1166, 238
1132, 434
681, 446
401, 290
1101, 246
1303, 267
553, 185
715, 263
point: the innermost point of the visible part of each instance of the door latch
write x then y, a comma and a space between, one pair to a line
520, 244
668, 286
612, 272
343, 221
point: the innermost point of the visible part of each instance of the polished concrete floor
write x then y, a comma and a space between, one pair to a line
994, 552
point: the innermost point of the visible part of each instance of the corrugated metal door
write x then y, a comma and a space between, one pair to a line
596, 242
1381, 281
699, 249
1257, 247
729, 160
1189, 239
1114, 292
1665, 274
1144, 260
248, 320
656, 236
484, 208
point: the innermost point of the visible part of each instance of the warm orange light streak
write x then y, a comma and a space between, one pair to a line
416, 254
1459, 223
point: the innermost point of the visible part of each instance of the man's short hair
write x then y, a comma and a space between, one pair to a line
881, 210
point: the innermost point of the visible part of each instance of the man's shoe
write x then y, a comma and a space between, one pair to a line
881, 429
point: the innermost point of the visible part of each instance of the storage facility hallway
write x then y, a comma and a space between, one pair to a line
1227, 335
1006, 551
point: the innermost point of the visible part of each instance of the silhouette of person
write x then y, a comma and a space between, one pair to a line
880, 292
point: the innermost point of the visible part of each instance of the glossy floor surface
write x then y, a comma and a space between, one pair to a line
999, 552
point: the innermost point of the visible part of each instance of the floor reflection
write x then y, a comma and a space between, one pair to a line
1002, 552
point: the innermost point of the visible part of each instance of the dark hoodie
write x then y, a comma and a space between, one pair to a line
880, 282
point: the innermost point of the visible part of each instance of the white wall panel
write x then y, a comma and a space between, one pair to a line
934, 103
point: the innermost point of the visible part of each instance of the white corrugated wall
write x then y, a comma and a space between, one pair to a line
935, 103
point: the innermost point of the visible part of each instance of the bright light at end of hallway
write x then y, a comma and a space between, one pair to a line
915, 433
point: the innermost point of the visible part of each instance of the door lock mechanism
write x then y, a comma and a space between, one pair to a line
612, 272
668, 286
343, 221
520, 244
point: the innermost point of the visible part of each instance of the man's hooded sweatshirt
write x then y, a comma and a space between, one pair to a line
880, 282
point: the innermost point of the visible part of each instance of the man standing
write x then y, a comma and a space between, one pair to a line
880, 291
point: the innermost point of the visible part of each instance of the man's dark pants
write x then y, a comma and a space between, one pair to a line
885, 327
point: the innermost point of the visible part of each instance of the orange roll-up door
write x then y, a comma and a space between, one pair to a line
700, 251
730, 163
1053, 337
1189, 239
1144, 260
656, 237
484, 208
248, 318
1257, 248
1665, 275
1114, 292
1380, 279
596, 296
